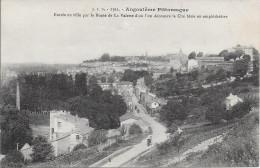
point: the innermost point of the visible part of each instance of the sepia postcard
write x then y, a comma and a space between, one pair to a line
129, 83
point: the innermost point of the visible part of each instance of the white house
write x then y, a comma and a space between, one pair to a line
66, 131
191, 64
231, 100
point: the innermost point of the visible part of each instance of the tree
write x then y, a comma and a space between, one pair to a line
15, 129
105, 57
240, 109
103, 79
216, 112
239, 52
81, 84
42, 149
256, 54
194, 75
247, 57
220, 75
240, 67
110, 79
135, 129
200, 54
192, 55
123, 130
171, 70
173, 111
148, 80
224, 54
79, 146
97, 137
14, 158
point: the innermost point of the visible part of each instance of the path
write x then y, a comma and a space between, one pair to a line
159, 135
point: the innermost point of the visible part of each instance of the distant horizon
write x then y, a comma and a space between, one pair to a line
121, 56
31, 33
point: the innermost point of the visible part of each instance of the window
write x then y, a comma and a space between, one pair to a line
77, 137
59, 124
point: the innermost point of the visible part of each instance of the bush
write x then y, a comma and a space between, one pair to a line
79, 146
239, 149
42, 149
166, 146
241, 109
13, 159
174, 126
135, 129
97, 137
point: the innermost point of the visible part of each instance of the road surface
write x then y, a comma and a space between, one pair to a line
159, 135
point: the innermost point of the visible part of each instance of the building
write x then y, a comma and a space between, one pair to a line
207, 62
26, 150
231, 100
140, 88
66, 131
152, 103
105, 86
192, 64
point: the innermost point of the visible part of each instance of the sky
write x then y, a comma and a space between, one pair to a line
30, 32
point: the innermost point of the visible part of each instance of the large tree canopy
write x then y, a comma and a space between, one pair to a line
14, 128
105, 57
192, 55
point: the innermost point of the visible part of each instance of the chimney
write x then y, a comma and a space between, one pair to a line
18, 96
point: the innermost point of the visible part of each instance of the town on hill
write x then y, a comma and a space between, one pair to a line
175, 109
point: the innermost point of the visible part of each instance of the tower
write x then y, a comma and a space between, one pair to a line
18, 96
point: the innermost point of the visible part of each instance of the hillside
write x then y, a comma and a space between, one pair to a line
239, 147
223, 145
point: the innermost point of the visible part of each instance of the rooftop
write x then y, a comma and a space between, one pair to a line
81, 124
233, 97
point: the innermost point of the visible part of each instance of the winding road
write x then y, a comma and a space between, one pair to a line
159, 135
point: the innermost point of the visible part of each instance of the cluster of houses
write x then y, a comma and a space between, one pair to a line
67, 131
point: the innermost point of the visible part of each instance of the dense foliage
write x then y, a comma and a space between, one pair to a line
106, 57
97, 137
101, 107
79, 146
174, 111
13, 159
132, 76
240, 148
135, 129
42, 149
58, 91
14, 129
